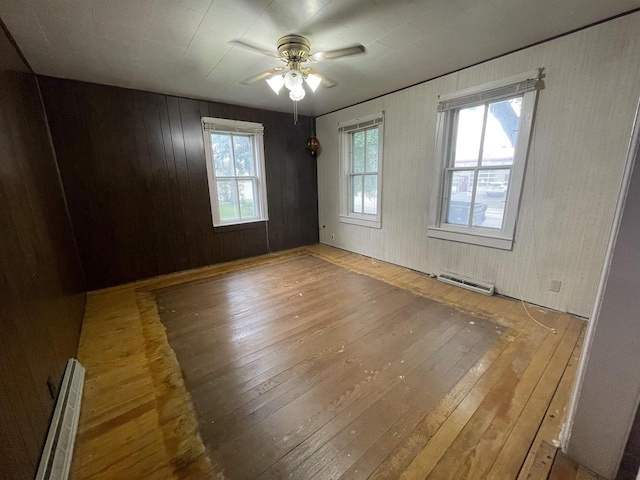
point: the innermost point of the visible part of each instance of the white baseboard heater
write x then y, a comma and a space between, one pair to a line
58, 449
466, 282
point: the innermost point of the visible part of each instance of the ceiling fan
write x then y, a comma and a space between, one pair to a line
295, 50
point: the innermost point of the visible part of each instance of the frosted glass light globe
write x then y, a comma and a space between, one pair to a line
297, 94
313, 81
276, 83
293, 79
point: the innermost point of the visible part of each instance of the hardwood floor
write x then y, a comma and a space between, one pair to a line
282, 398
306, 369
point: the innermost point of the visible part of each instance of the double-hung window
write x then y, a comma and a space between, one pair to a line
235, 170
482, 142
361, 170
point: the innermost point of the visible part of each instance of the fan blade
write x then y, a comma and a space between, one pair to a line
261, 76
341, 52
253, 48
326, 81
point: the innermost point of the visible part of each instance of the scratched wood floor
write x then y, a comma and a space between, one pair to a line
432, 399
551, 464
304, 369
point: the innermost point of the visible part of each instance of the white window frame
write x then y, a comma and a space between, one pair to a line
346, 131
525, 85
256, 132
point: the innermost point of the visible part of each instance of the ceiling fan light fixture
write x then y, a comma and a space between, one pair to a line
295, 50
293, 79
297, 93
313, 81
276, 83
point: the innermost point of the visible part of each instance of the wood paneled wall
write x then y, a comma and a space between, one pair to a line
133, 168
578, 148
41, 284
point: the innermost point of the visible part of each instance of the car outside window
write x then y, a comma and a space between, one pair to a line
482, 144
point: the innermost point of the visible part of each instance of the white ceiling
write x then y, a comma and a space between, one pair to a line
180, 47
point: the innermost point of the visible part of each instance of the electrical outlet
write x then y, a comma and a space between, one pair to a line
554, 285
333, 237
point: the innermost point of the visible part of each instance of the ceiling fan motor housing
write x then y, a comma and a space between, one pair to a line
295, 48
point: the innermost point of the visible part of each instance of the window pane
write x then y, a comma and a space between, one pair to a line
460, 196
356, 193
248, 202
371, 194
491, 199
221, 151
372, 150
468, 135
243, 152
228, 200
501, 134
357, 163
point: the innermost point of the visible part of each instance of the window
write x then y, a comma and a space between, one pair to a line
482, 142
235, 170
361, 172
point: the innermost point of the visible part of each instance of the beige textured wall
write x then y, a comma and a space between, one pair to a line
608, 383
580, 140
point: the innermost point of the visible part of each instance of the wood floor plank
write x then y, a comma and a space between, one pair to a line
514, 452
363, 351
368, 417
475, 447
549, 428
401, 457
563, 468
350, 314
503, 372
425, 399
218, 304
319, 326
336, 396
552, 464
484, 453
255, 346
542, 462
421, 351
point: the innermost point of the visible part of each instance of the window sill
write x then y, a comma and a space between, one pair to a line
232, 227
503, 243
363, 222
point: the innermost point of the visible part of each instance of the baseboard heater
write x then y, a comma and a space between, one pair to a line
58, 449
466, 282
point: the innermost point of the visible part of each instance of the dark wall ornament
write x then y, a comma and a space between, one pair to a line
313, 145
